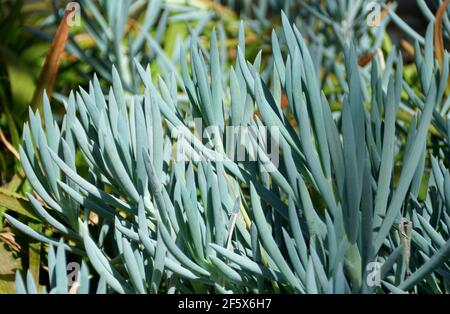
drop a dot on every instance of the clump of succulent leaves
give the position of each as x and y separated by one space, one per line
110 33
355 189
152 32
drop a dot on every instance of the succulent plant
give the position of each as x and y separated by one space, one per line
151 32
355 201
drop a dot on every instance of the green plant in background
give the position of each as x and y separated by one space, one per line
352 188
20 56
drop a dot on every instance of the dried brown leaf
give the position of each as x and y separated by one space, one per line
48 73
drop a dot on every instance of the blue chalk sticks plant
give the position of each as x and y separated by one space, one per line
358 200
